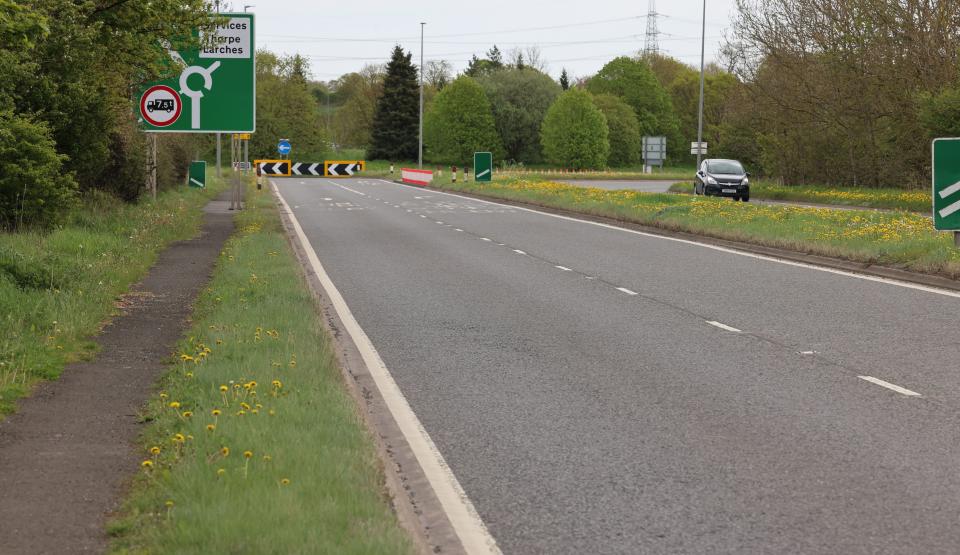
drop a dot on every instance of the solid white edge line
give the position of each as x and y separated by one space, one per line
518 251
876 279
463 515
890 386
724 326
564 268
627 291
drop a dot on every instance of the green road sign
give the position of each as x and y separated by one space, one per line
198 174
483 166
946 184
215 90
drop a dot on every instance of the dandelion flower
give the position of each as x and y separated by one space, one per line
272 412
154 450
179 438
285 481
189 374
215 412
147 464
267 458
245 406
253 384
224 389
187 414
169 503
163 396
247 454
277 384
221 471
225 451
255 411
174 405
211 427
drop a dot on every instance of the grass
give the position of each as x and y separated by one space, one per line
257 354
58 287
899 239
888 198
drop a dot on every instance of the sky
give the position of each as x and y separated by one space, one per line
580 36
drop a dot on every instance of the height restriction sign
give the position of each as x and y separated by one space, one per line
214 90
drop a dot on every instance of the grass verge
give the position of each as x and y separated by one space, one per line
381 168
899 239
888 198
254 445
58 287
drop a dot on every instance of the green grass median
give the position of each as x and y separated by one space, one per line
899 239
254 444
58 287
886 198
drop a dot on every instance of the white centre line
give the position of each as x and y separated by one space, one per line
485 239
627 291
890 386
724 326
518 251
564 268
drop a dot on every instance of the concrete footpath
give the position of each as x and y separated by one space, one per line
66 456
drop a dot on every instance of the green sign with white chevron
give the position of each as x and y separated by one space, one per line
946 184
483 166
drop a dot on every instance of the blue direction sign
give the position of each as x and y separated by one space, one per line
283 147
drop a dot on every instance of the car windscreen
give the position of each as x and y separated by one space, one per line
725 166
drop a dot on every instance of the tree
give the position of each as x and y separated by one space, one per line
460 123
438 74
940 113
635 83
623 128
286 109
493 62
356 96
520 99
574 132
34 190
564 80
396 120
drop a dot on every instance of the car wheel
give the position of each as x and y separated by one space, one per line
736 198
745 198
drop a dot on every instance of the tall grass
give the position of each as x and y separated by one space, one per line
58 287
257 377
890 198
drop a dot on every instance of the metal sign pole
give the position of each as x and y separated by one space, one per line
703 46
218 155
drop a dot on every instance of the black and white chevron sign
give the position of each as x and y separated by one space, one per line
342 169
275 168
308 168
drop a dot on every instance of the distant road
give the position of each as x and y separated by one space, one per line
645 186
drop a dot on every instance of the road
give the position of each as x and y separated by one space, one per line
596 390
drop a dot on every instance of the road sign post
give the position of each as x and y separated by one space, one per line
699 149
198 174
483 166
284 147
215 89
946 186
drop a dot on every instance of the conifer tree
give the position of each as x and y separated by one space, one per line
396 120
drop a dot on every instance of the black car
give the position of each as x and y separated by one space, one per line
725 178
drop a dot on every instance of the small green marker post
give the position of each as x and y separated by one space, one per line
197 176
482 166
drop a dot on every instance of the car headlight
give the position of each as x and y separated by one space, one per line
711 180
745 181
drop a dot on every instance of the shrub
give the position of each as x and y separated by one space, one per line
574 132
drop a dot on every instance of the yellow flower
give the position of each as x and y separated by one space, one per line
267 458
247 454
224 389
255 411
147 464
189 374
211 427
245 406
219 341
185 357
215 412
163 396
225 451
178 438
169 503
272 412
154 450
241 412
221 471
174 405
187 414
285 481
277 384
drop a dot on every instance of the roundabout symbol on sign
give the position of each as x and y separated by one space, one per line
160 106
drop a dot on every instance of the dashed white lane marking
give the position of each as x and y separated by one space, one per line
422 216
485 239
439 223
351 190
463 515
460 230
564 268
890 386
876 279
327 198
724 327
518 251
627 291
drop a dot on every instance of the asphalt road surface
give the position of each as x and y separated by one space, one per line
614 185
601 391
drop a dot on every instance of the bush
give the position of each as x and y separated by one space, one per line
520 99
460 123
574 133
33 188
623 128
